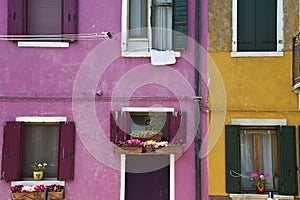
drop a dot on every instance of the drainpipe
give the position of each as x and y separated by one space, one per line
197 101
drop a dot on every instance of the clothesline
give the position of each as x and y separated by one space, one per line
79 36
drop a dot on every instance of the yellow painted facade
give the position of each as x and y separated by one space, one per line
255 87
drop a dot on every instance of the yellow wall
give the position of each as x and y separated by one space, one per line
255 88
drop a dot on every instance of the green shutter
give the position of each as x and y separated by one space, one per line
232 153
179 24
287 165
266 25
246 25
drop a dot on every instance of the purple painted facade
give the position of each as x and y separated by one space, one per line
46 81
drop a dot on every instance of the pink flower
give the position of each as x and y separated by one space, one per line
261 176
253 174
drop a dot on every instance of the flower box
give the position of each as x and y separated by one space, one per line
172 149
36 195
128 150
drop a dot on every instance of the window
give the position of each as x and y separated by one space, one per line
157 24
257 26
258 154
171 124
26 143
42 17
264 149
40 145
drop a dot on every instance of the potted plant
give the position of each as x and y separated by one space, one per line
38 170
260 181
152 131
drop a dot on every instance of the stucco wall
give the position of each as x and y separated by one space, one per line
220 24
255 87
41 82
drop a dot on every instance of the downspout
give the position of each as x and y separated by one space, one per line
197 101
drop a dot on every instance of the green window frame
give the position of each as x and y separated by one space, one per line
286 153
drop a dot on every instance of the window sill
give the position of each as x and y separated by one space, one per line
258 196
256 54
144 54
44 44
176 149
42 182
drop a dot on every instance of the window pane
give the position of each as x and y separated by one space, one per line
40 145
138 18
162 24
44 17
247 159
258 153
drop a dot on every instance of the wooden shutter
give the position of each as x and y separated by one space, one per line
177 127
266 25
119 126
232 153
12 151
246 25
66 151
287 165
16 17
70 18
180 24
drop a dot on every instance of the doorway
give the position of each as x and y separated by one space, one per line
147 177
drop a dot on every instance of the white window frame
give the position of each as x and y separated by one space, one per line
280 32
125 39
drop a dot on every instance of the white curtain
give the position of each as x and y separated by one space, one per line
138 18
162 25
247 156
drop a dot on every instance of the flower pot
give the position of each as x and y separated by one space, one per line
156 137
260 189
38 175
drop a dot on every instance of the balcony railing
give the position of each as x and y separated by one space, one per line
296 62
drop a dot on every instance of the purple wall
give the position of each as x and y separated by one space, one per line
42 82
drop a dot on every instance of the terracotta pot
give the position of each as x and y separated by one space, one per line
260 189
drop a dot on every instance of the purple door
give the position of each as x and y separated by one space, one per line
147 177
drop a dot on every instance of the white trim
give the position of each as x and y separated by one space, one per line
256 54
144 54
123 172
259 196
147 109
124 25
280 32
40 119
258 122
33 183
172 177
44 44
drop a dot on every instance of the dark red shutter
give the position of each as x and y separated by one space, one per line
177 127
16 17
66 151
119 123
12 151
70 18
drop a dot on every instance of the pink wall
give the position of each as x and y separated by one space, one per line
41 82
